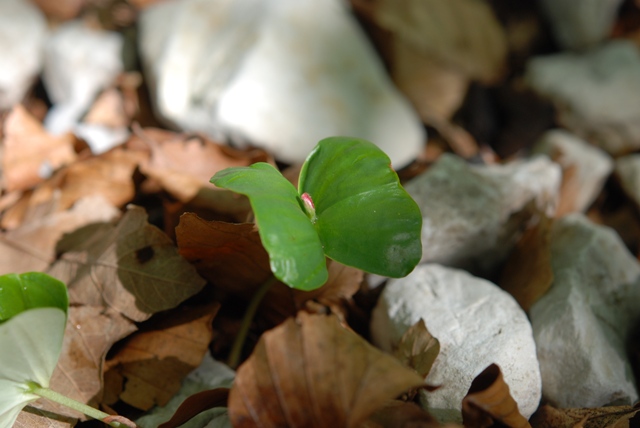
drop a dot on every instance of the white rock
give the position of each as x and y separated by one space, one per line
210 374
79 63
581 324
472 215
100 138
589 165
477 324
628 171
281 74
23 30
584 26
595 92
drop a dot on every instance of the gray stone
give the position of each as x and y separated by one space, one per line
595 92
477 324
580 325
628 172
281 74
584 26
473 215
588 167
23 30
79 63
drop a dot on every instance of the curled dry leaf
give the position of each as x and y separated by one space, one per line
184 164
527 273
31 247
311 371
31 154
604 417
154 360
489 401
132 267
196 404
418 349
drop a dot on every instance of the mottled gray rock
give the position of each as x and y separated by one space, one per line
595 92
472 215
581 324
628 172
477 324
281 74
23 30
79 63
210 374
584 26
588 167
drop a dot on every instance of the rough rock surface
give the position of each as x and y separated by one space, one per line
595 92
581 324
23 30
628 172
477 324
472 215
585 168
79 63
281 74
581 27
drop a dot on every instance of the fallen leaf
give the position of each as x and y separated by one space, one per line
527 273
30 154
196 404
31 247
489 400
418 349
311 371
62 9
108 110
154 360
604 417
184 164
35 415
132 267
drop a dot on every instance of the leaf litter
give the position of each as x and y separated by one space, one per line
142 317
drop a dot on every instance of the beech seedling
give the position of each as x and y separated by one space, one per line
349 206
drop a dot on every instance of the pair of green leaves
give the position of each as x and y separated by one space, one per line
33 314
349 206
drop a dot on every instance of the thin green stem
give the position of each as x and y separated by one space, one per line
238 343
47 393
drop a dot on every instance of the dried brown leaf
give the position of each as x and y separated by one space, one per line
604 417
108 110
31 247
489 401
30 153
132 267
527 273
196 404
155 360
418 349
310 372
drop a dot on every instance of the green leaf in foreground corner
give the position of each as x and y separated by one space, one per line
294 248
365 218
20 292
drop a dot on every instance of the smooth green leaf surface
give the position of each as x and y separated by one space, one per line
20 292
295 250
365 218
30 344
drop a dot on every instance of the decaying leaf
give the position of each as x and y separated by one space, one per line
30 154
31 247
311 371
603 417
132 267
527 273
196 404
153 361
418 349
36 415
489 401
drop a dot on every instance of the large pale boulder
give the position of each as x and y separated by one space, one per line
473 215
581 324
23 31
596 93
279 74
477 324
